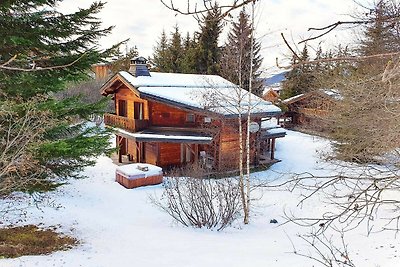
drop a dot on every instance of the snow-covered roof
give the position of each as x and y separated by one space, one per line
170 136
269 124
206 92
272 129
276 131
293 98
160 79
332 93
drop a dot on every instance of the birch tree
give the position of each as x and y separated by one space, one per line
237 102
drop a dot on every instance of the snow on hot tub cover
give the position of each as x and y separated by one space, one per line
131 171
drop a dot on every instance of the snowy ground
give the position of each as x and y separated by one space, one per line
120 227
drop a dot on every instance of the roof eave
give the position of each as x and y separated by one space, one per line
116 77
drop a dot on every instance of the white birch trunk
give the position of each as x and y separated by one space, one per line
247 206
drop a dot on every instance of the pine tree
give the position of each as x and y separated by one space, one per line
301 78
123 61
174 52
189 55
41 52
381 36
208 52
160 58
235 60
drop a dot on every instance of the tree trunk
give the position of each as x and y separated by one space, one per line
246 208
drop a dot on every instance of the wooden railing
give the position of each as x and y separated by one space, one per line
125 123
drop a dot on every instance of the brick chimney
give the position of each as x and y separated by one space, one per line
138 67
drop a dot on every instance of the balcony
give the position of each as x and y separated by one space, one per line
125 123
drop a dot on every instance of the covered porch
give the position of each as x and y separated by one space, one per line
163 147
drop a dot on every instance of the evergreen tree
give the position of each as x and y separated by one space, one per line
189 55
235 60
168 54
301 78
381 36
175 52
208 52
41 52
123 61
160 54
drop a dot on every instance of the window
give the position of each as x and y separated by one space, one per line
190 118
138 110
122 111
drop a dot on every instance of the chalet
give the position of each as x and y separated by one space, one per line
171 119
271 95
310 110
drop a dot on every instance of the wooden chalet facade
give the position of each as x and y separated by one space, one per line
271 95
311 110
161 119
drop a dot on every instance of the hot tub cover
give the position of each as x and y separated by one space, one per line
131 171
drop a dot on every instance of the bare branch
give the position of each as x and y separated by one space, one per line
192 8
336 59
290 48
5 67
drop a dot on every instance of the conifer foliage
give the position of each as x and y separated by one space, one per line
41 52
235 60
301 79
198 54
209 53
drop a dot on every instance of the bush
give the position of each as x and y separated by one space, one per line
193 199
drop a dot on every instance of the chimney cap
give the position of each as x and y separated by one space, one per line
138 60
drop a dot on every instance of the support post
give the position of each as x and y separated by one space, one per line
273 148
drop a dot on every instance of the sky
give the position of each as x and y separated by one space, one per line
143 21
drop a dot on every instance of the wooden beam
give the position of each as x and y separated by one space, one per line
118 144
258 148
273 148
196 153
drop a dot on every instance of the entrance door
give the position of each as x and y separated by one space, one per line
186 153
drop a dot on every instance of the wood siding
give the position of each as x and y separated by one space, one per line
130 97
170 154
167 116
229 145
222 154
151 152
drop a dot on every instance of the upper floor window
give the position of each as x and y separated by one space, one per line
138 111
122 110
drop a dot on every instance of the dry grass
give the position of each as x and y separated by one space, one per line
31 240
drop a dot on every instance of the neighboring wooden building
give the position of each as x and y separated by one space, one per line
101 71
310 110
271 95
170 119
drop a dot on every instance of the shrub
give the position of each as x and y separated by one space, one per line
193 199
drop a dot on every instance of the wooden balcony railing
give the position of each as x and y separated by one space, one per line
125 123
